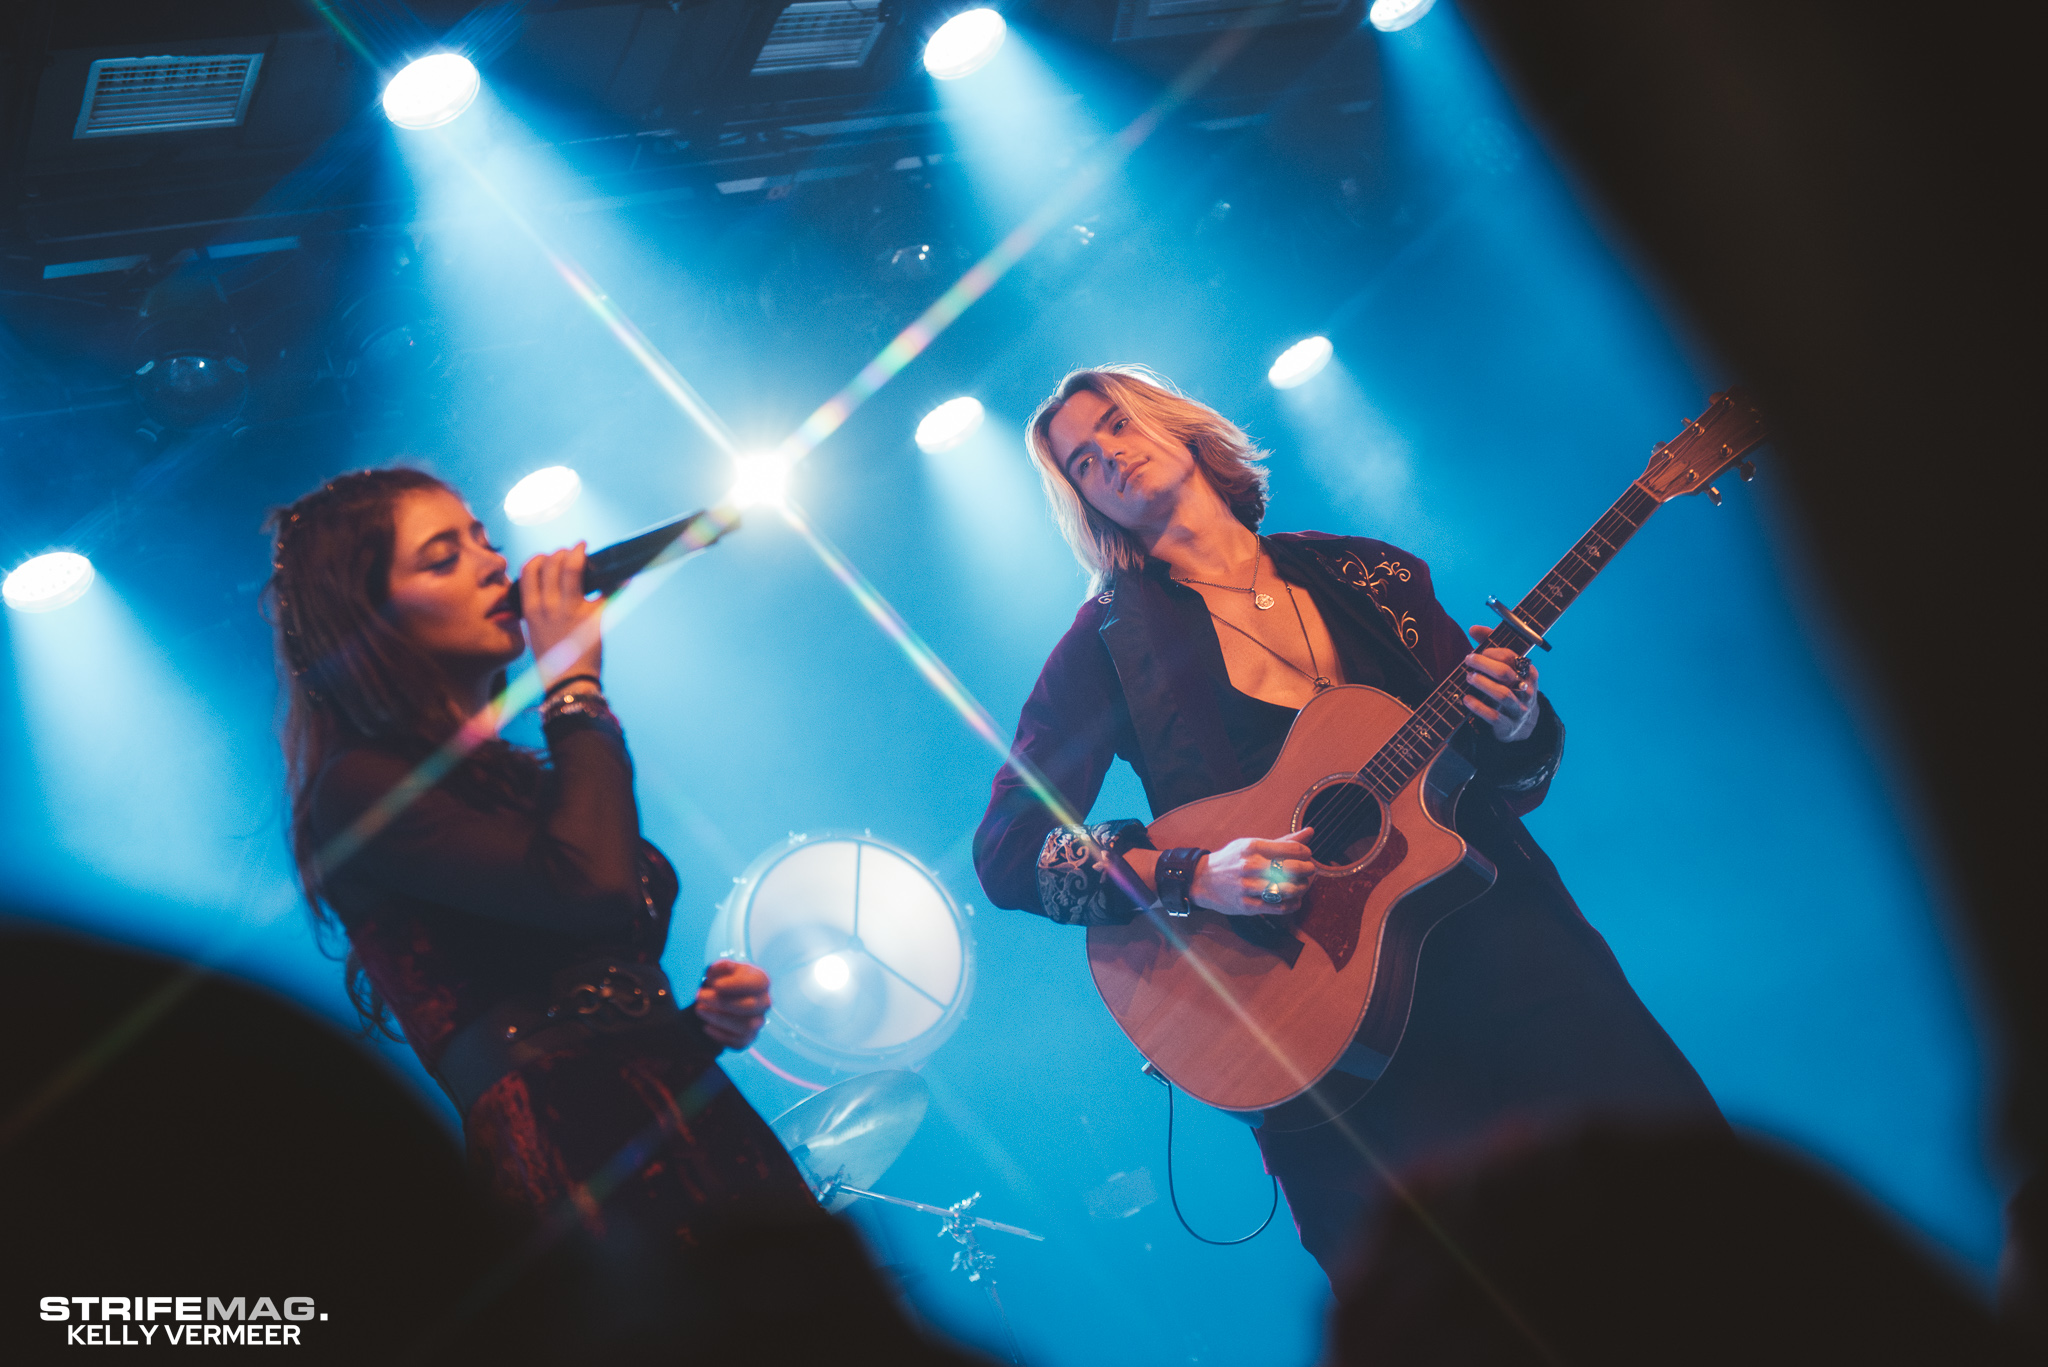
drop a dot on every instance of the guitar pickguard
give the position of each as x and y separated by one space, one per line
1336 902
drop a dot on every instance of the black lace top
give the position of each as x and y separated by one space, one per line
464 901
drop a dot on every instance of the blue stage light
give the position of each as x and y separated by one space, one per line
964 44
1300 363
1389 16
951 423
48 582
432 91
543 496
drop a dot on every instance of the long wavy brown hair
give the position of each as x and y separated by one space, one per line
350 678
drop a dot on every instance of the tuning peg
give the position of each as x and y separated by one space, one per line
1713 496
1746 470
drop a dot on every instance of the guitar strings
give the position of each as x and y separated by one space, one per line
1631 510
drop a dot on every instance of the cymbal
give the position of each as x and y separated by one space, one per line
851 1133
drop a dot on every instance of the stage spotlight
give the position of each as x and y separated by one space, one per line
185 362
762 477
1390 16
189 390
872 960
386 347
964 44
48 582
543 496
951 423
432 91
1300 363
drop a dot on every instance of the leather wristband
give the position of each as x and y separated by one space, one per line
1173 878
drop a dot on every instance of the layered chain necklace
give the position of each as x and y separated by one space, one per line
1262 601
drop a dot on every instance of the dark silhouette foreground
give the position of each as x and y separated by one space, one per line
164 1132
1639 1247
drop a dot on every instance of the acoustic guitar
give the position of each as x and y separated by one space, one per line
1246 1016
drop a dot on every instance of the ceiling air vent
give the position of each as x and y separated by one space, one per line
821 35
1141 19
166 94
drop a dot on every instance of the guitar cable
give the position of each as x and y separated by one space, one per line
1151 1070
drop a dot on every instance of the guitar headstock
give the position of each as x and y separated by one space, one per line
1710 443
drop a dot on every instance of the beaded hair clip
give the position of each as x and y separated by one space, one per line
287 618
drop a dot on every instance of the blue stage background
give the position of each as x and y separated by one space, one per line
1728 813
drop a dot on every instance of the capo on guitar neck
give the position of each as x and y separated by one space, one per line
1515 620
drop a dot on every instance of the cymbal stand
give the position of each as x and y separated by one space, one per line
959 1225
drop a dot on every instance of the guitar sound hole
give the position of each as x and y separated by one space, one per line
1346 817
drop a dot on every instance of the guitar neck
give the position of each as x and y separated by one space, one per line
1569 577
1443 712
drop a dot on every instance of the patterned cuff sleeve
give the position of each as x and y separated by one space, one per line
1074 890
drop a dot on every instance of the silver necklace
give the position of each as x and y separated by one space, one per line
1261 601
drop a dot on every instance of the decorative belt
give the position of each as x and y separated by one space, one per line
585 1002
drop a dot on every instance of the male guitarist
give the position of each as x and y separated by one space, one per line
1199 642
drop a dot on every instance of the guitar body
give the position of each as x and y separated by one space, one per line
1246 1016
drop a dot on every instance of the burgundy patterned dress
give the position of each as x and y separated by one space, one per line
469 903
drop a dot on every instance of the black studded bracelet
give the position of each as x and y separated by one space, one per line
1173 877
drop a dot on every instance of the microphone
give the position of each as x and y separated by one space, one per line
608 570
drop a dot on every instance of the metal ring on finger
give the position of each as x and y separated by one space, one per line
1276 879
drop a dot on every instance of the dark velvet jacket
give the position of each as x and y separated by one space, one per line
1522 1016
1135 678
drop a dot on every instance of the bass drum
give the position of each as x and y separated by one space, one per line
871 958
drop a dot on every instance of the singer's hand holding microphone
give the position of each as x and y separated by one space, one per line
563 628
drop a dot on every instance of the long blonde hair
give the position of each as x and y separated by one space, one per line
1227 458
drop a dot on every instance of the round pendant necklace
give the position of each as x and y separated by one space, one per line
1262 601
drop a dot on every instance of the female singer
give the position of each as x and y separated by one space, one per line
506 910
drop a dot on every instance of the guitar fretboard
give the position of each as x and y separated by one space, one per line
1433 724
